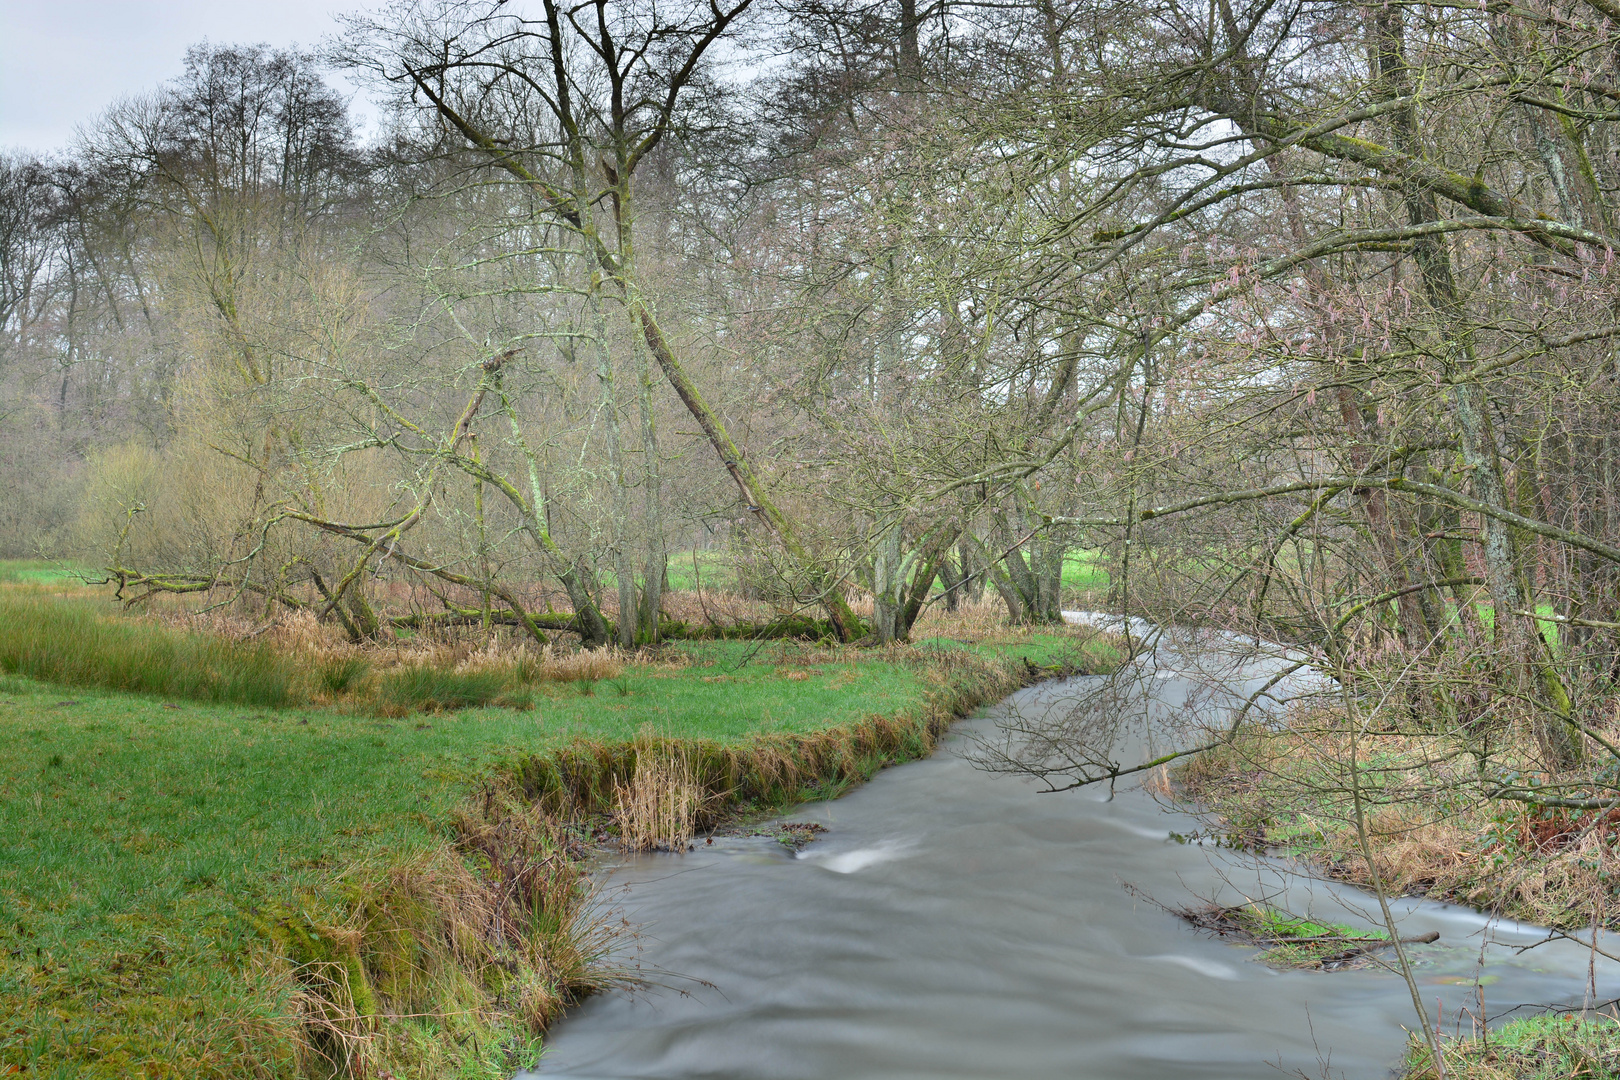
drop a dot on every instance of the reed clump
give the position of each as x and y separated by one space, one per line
658 808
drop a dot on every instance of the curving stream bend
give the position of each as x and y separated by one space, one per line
955 923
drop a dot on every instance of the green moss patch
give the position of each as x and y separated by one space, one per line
1289 942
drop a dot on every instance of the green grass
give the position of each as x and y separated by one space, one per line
150 835
1295 942
421 688
1548 626
139 834
137 837
37 572
712 569
1081 572
77 642
1288 941
1044 649
1548 1047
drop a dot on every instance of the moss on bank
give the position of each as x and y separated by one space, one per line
1287 941
214 889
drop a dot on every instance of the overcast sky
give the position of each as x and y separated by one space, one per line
63 61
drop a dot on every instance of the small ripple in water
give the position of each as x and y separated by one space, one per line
1214 969
849 862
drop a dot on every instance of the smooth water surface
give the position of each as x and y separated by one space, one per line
955 922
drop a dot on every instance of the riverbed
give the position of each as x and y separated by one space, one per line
957 922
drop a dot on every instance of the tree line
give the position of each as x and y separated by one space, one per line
1296 316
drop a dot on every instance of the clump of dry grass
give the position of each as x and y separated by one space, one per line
716 607
586 665
300 631
973 620
525 665
658 808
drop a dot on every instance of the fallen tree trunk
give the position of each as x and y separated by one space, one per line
797 629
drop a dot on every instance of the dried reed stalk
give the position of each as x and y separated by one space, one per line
658 808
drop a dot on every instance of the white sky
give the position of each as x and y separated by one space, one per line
63 61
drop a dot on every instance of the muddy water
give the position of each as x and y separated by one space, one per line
953 922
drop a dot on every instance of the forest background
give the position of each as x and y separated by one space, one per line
1296 318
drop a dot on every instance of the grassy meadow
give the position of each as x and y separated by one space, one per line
239 859
691 570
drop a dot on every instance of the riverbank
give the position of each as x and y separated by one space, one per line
1551 1047
1381 804
209 888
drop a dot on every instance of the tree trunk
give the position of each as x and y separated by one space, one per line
1560 740
652 593
829 592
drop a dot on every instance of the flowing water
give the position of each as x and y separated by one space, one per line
955 922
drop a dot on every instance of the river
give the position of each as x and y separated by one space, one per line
955 922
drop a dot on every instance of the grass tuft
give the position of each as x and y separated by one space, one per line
658 808
419 687
341 674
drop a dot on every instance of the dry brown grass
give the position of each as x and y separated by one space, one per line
585 665
712 607
658 808
972 621
1550 1046
1433 828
